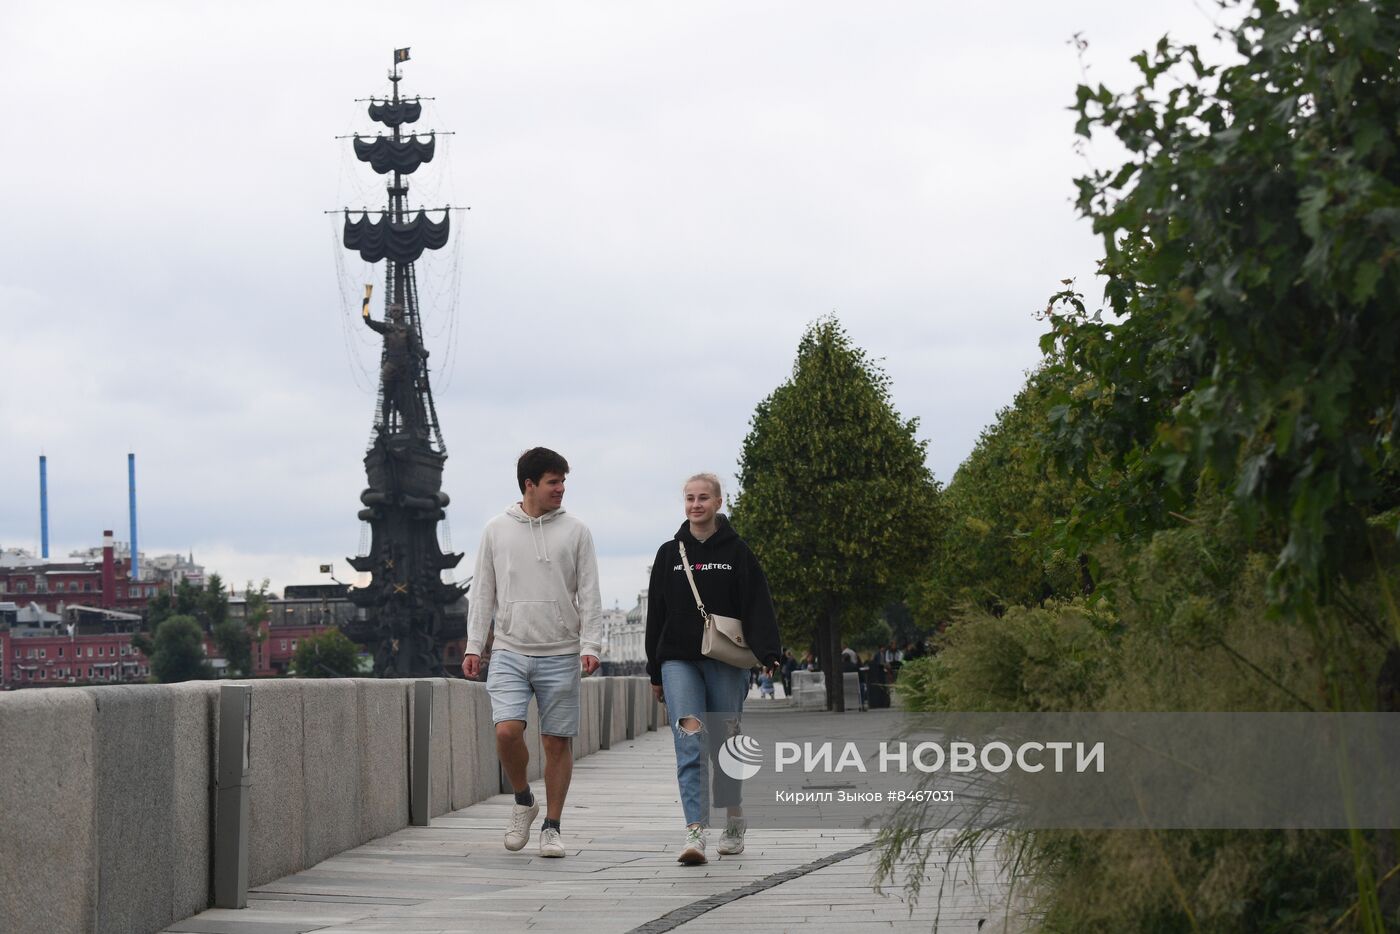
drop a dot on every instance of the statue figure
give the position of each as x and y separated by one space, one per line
403 353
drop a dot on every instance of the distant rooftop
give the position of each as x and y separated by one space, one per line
15 557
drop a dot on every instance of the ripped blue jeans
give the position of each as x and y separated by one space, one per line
703 689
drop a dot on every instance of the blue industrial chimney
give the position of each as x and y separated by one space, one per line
131 496
44 504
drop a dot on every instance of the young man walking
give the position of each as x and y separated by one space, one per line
537 578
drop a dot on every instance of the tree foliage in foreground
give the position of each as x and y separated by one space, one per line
835 498
1253 273
1229 422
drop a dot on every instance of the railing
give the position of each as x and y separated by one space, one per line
127 808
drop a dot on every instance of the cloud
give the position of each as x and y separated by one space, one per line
662 197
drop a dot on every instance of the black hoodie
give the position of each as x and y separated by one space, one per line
730 582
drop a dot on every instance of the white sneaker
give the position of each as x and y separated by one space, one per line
518 833
731 842
693 854
550 844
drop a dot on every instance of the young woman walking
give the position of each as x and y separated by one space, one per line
729 582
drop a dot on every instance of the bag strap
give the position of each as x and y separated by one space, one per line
685 563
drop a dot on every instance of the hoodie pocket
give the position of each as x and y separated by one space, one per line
536 622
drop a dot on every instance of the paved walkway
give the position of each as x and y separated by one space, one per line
622 827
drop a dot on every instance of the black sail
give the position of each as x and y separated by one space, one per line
401 243
395 113
384 155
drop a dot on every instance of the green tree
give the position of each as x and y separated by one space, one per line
256 613
1252 346
327 655
212 603
177 651
835 498
1251 271
997 541
235 639
875 633
235 646
1229 420
904 627
179 601
207 605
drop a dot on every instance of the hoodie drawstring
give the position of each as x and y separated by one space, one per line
543 545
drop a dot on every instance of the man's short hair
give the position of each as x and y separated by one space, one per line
537 462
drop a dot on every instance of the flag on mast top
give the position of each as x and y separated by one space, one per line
400 55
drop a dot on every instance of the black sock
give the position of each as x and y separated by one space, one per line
525 798
550 822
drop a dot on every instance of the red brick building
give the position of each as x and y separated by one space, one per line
54 585
51 660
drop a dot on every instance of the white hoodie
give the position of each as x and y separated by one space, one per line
538 578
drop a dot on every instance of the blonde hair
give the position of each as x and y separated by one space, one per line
709 478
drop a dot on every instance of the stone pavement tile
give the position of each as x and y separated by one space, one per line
482 916
616 922
321 913
804 925
407 872
324 885
197 925
399 928
259 900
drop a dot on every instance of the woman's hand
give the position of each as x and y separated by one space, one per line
657 693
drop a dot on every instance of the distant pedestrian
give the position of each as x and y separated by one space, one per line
765 684
705 557
537 577
894 658
850 662
878 677
788 667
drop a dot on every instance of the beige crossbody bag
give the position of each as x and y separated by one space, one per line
724 635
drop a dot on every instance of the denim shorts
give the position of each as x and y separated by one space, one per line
552 679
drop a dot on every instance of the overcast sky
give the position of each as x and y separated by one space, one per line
663 196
